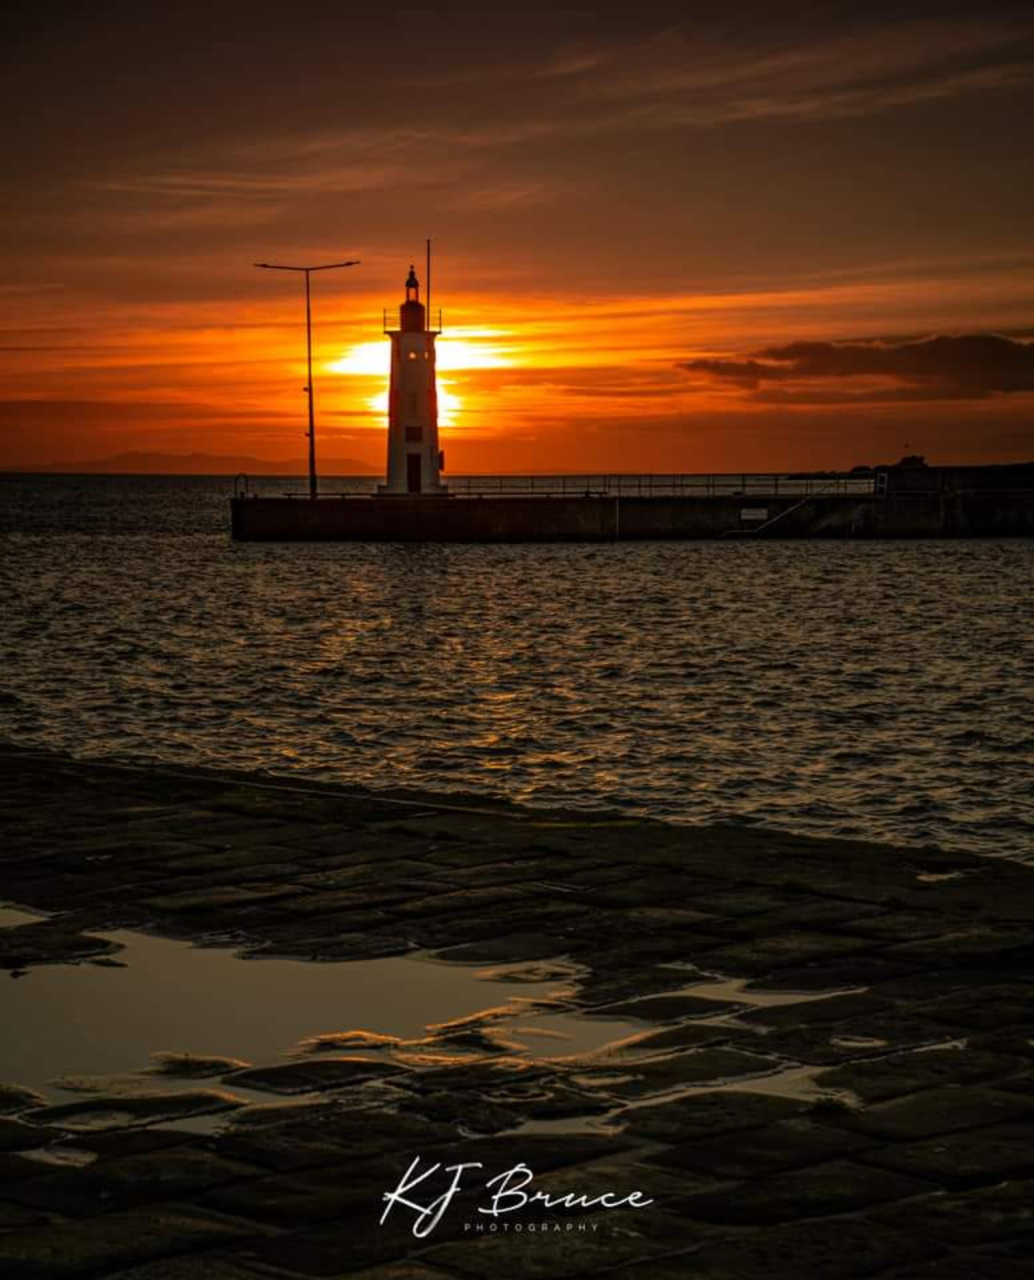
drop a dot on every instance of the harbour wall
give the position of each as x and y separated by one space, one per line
609 518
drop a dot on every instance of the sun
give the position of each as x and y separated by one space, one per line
448 404
469 349
367 358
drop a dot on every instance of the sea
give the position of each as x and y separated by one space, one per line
872 690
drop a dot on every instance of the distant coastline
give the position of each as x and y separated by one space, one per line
196 464
139 463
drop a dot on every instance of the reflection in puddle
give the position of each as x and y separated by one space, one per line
12 917
799 1084
565 1035
62 1157
564 1127
857 1042
138 1042
171 997
742 991
555 970
174 1013
936 877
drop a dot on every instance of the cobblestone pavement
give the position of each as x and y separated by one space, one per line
877 1119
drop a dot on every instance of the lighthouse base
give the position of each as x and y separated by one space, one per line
439 491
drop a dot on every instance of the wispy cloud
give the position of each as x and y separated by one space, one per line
506 195
686 77
703 74
691 77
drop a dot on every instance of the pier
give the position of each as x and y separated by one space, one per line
903 501
414 504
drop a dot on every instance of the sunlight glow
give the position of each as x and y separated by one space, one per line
371 360
470 352
449 404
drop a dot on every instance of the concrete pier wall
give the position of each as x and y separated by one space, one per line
987 514
607 518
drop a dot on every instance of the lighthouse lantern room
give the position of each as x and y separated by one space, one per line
414 459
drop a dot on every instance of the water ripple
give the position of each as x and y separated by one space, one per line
866 689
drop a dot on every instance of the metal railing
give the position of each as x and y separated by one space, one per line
355 487
433 321
730 485
745 485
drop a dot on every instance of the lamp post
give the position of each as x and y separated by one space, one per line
330 266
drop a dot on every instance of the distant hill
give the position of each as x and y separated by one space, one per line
200 464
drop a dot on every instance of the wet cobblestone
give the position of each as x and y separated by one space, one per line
883 1129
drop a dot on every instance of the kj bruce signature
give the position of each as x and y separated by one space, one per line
428 1194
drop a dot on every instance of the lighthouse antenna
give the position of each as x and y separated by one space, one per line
430 322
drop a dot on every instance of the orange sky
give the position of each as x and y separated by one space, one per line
635 226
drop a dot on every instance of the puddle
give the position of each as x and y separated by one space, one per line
552 970
799 1084
858 1042
60 1157
563 1127
90 1020
739 990
150 1024
12 917
565 1035
89 1026
206 1125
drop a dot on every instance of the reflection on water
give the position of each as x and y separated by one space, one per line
856 689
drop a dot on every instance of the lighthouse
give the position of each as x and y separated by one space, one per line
414 459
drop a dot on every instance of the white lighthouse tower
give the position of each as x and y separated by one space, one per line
414 459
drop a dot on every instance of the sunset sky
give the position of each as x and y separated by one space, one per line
686 238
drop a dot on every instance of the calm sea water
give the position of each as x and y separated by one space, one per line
854 689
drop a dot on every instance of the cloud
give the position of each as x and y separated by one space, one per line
898 395
744 373
705 71
942 367
690 77
702 75
505 195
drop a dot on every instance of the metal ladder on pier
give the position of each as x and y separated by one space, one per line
752 533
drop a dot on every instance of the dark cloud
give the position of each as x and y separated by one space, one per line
886 395
744 373
940 367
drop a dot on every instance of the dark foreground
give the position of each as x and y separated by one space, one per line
885 1128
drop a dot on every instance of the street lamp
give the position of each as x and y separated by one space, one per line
330 266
